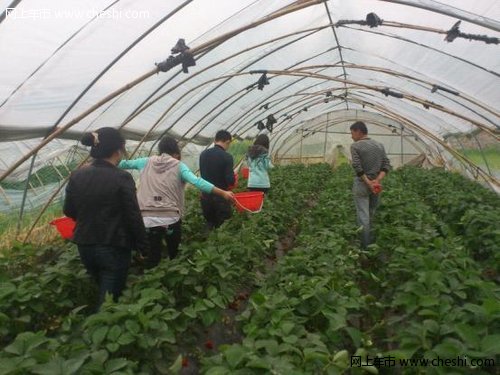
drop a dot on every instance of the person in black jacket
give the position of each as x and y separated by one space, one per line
101 198
216 166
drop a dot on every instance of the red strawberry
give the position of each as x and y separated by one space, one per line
185 362
209 344
377 188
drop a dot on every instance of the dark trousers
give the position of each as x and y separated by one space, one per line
264 190
215 209
108 266
172 236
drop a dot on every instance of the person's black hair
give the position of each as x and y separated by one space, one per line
359 125
104 142
223 136
262 140
169 145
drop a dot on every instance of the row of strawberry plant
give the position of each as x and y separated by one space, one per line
30 276
434 300
466 208
173 298
307 314
418 295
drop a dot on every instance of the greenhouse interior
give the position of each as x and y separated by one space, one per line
337 270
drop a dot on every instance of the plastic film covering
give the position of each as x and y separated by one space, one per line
425 78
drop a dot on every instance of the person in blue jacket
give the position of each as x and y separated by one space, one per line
259 163
161 196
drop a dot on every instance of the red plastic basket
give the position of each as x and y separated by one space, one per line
245 172
65 226
249 201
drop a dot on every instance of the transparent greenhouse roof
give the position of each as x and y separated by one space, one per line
65 66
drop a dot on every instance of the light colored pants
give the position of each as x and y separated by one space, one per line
366 202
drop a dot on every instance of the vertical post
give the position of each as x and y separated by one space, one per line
25 193
402 159
301 139
326 136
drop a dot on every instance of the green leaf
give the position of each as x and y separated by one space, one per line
258 363
355 335
286 327
468 335
71 366
190 312
132 326
234 355
341 356
257 299
427 312
271 346
447 350
114 333
211 291
291 339
26 342
54 367
177 365
208 303
100 356
115 365
112 347
98 335
208 317
6 289
126 338
427 301
218 370
491 345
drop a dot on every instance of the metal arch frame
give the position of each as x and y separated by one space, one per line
423 45
411 98
439 92
278 101
397 74
297 6
211 91
420 82
241 118
487 23
300 104
243 91
328 78
407 96
431 84
397 37
143 106
421 130
340 50
118 57
286 132
86 89
319 126
411 79
362 96
290 129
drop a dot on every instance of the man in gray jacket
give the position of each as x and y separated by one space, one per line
371 164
